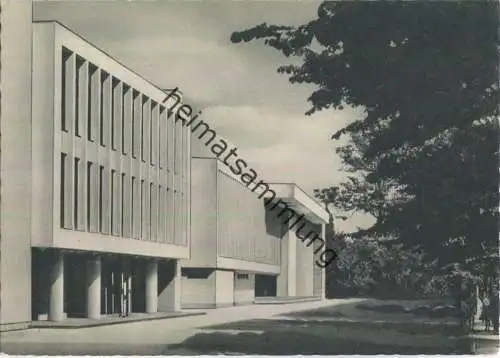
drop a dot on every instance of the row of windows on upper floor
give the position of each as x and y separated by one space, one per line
96 199
101 107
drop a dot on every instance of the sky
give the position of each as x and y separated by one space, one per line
186 44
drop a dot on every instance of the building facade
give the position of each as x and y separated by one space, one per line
102 200
108 191
240 248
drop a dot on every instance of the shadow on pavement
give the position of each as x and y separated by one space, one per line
370 327
293 342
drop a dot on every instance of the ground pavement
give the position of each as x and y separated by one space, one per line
147 337
339 326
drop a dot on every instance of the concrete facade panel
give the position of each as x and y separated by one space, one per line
15 166
203 214
304 268
224 288
198 291
245 231
244 288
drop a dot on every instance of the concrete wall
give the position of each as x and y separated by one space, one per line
224 288
287 279
15 173
245 231
203 214
244 289
304 267
198 291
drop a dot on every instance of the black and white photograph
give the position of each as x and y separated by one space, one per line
249 177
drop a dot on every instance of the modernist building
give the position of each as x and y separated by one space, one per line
105 210
239 248
95 194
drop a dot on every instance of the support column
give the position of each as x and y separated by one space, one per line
56 300
287 279
152 286
94 287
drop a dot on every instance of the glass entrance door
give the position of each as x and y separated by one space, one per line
116 287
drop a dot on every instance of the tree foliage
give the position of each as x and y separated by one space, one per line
423 157
372 267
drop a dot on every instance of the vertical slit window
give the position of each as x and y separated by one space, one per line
81 96
153 143
162 138
62 194
150 210
123 208
133 205
117 118
160 220
94 104
89 194
142 204
113 201
75 191
106 108
79 62
67 89
137 125
146 130
113 114
126 118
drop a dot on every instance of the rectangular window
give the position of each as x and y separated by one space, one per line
117 118
89 195
78 119
62 194
113 201
136 125
152 212
75 191
126 118
162 138
155 131
101 198
94 103
146 130
67 89
161 228
112 123
143 211
133 208
170 142
177 147
106 109
123 208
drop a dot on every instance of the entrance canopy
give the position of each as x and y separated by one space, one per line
300 202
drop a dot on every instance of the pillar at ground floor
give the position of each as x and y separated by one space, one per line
90 285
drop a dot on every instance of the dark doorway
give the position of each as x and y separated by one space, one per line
41 263
138 273
75 285
265 286
116 286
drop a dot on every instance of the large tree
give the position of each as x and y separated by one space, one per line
426 148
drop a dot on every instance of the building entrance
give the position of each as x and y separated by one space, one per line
265 286
116 284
